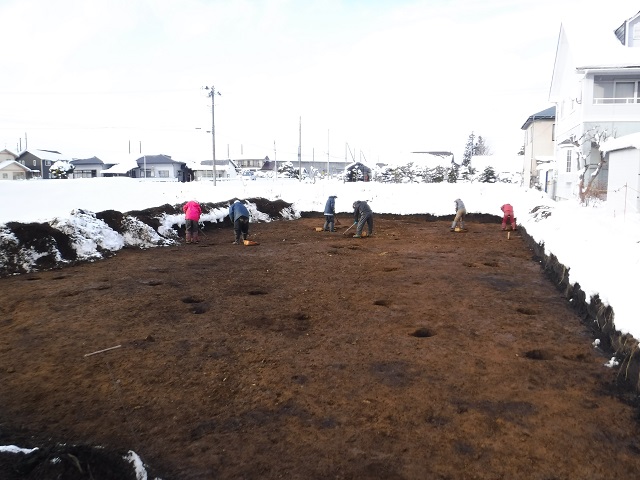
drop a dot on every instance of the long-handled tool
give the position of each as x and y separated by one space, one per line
345 232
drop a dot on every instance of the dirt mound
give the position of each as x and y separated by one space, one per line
43 246
69 462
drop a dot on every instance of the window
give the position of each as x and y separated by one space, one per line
34 163
608 90
568 160
163 173
5 176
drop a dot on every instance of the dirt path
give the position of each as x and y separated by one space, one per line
415 354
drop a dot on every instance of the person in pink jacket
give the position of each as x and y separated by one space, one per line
192 212
507 211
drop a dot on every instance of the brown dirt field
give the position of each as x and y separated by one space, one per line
415 354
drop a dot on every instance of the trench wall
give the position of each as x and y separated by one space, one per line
594 314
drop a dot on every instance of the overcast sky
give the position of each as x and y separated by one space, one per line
105 77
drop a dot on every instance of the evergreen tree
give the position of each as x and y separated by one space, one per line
468 151
452 174
488 175
287 171
480 148
61 169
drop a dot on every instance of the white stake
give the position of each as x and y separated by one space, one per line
101 351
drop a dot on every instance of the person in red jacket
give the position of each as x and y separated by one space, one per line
507 210
192 212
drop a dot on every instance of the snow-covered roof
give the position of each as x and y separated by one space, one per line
598 47
51 155
420 159
122 167
627 141
4 164
500 164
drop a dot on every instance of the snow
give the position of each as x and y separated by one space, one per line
600 247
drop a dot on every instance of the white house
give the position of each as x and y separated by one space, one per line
13 170
596 89
537 165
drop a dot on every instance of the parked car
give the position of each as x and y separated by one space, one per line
248 174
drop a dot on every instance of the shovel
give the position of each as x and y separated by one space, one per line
345 232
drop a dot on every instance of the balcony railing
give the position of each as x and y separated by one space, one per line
609 101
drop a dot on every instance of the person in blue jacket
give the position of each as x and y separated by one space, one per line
239 215
329 214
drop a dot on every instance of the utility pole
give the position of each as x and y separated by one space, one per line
300 150
328 167
275 162
212 94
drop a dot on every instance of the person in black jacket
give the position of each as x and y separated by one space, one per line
362 214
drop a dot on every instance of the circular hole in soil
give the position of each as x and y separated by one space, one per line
526 311
257 292
198 309
192 300
153 283
302 316
491 264
382 303
538 355
423 332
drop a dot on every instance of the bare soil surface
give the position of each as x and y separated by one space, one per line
414 354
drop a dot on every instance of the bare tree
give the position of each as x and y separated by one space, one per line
594 137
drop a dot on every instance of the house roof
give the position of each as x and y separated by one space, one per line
621 143
121 168
156 159
547 114
598 47
9 152
499 163
588 47
621 31
52 155
87 161
6 163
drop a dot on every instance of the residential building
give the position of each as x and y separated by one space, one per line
7 155
88 167
225 170
13 170
596 89
153 167
40 161
538 159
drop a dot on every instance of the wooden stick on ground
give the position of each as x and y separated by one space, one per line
101 351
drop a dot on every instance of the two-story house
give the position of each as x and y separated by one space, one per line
40 161
10 169
596 89
538 160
